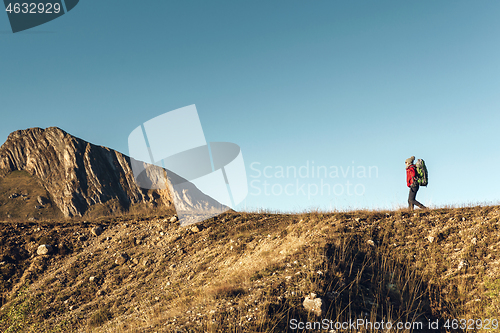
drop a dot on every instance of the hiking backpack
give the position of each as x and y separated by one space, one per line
422 174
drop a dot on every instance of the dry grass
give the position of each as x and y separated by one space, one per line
250 272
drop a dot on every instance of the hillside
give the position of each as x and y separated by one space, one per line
250 272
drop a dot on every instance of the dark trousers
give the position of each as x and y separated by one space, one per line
411 198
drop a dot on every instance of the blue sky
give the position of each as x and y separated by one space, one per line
338 83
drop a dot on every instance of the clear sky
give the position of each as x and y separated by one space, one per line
334 84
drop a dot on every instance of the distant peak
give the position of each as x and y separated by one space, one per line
35 132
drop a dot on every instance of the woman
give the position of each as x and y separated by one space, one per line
412 183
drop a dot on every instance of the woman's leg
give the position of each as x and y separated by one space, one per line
412 198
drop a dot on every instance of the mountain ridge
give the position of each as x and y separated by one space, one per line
79 175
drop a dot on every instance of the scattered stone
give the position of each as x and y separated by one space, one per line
135 261
138 242
38 207
370 242
313 304
122 258
146 262
474 241
44 249
463 264
31 219
100 293
96 231
431 239
174 219
14 195
42 200
92 278
195 229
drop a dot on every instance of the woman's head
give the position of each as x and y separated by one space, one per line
409 161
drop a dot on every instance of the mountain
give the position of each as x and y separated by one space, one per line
79 177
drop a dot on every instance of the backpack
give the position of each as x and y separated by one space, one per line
422 174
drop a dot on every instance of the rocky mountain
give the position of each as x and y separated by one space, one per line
78 175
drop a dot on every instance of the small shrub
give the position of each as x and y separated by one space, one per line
226 290
100 317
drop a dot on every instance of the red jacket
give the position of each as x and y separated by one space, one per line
411 172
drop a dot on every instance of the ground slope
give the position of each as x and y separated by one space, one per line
242 272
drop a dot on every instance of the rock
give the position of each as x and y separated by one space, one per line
42 200
474 241
146 262
38 207
135 261
96 231
370 242
195 229
44 249
313 304
31 219
463 264
121 258
92 278
431 239
14 195
174 219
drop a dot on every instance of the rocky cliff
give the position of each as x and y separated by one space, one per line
77 174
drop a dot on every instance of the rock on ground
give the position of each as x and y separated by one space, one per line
313 304
44 249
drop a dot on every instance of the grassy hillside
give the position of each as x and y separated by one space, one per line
18 197
250 272
19 192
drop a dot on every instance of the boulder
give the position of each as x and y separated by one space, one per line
96 231
196 229
42 200
44 249
121 258
313 304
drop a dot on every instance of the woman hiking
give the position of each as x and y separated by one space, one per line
412 183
